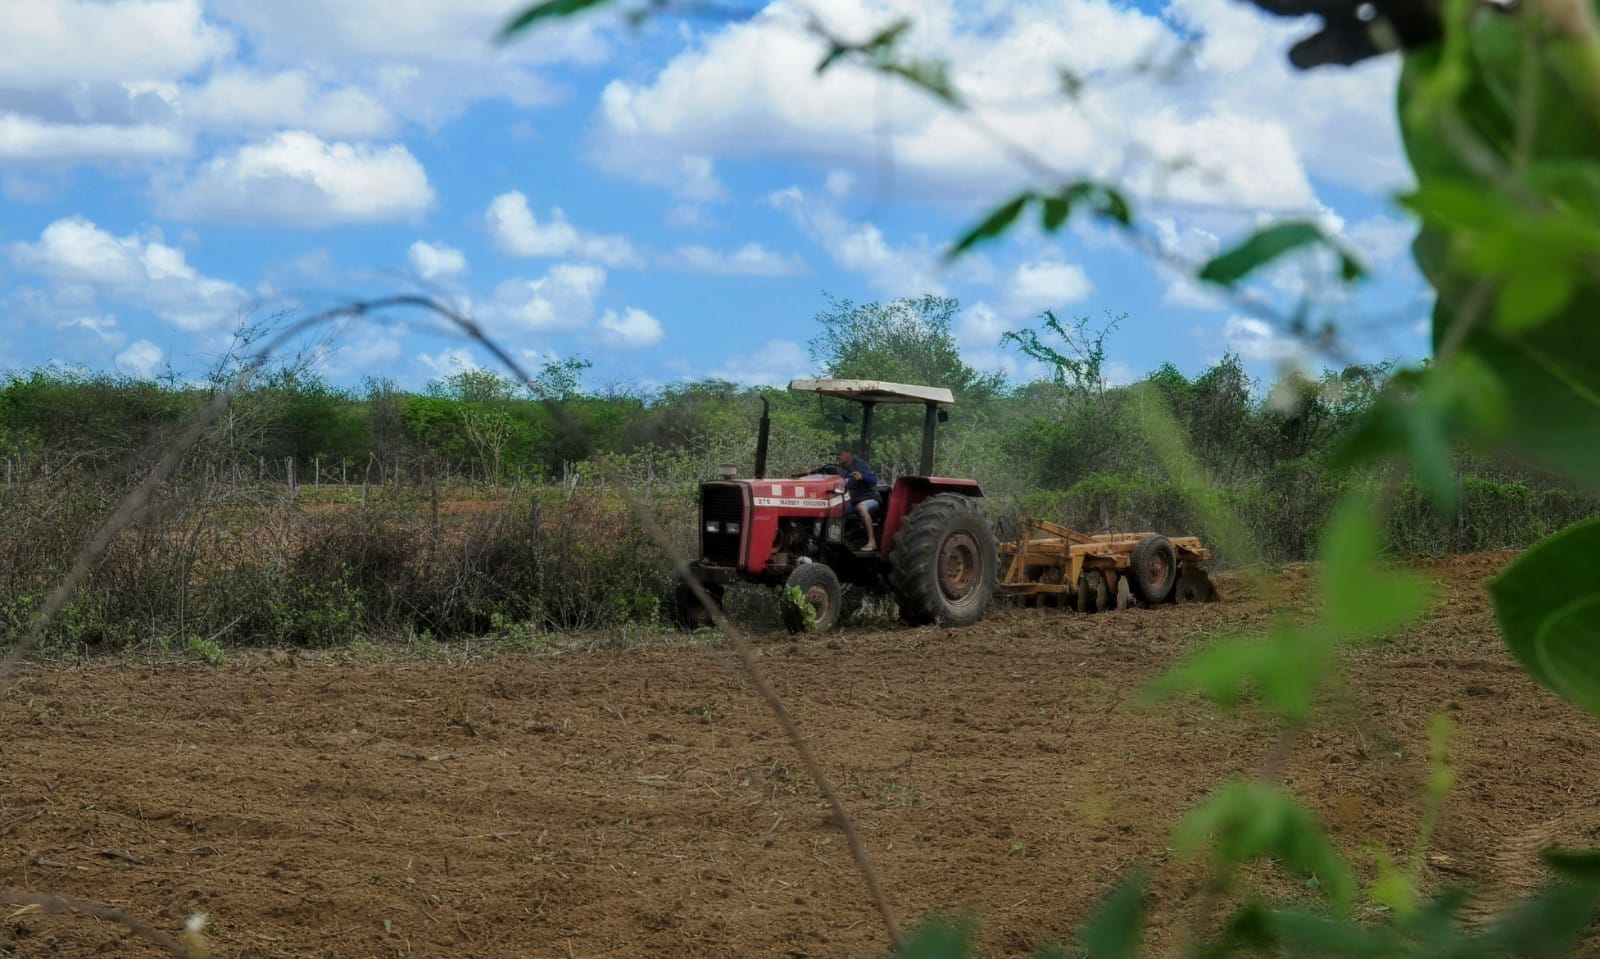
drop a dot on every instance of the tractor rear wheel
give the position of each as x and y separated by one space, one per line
1153 567
687 613
943 562
819 589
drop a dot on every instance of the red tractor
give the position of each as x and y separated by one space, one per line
935 551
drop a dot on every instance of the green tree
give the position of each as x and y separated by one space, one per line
903 341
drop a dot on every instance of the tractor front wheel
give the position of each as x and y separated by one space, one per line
942 564
687 612
819 590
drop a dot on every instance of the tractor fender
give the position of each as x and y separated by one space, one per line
908 491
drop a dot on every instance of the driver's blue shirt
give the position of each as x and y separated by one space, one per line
860 490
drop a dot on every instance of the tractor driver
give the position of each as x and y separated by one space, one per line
862 485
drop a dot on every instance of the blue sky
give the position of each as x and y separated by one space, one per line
668 202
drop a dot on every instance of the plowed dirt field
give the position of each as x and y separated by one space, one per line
643 802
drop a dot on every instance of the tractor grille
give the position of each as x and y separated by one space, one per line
721 503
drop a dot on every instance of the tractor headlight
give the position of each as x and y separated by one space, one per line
712 526
732 529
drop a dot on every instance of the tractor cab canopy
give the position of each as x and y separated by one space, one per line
869 393
875 391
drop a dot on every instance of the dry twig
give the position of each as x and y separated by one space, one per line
50 905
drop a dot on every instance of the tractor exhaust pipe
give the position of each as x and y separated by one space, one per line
761 441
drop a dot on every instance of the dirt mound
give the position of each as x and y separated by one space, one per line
642 803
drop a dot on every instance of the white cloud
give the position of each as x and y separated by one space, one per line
433 262
1187 243
424 61
978 334
27 138
46 44
697 181
1238 126
981 327
100 80
1255 339
632 329
840 184
297 179
105 327
372 353
1383 241
564 299
515 230
142 359
1047 284
1228 160
449 362
752 259
73 252
862 248
383 32
774 364
241 99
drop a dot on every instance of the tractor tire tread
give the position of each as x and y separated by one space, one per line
913 562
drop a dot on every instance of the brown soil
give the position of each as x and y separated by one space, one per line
643 802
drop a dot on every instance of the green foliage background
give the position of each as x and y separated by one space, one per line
315 515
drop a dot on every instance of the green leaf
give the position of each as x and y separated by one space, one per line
1118 209
1360 598
1581 865
1456 204
939 938
835 51
1264 246
1391 885
1286 667
1247 820
889 36
1528 296
994 224
1548 607
1550 924
549 10
932 76
1350 268
1115 929
1105 201
1055 212
1423 415
1301 933
1575 182
1551 378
